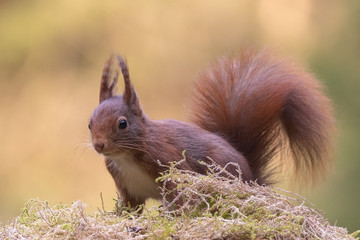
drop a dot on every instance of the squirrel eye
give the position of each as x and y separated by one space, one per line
122 124
89 126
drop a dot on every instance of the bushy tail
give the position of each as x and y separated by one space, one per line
266 106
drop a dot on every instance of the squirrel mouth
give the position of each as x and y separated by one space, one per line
108 151
105 153
100 148
109 154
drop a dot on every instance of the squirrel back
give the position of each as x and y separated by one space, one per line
268 109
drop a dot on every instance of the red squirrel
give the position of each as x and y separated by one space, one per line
248 109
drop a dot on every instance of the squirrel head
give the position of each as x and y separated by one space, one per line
118 123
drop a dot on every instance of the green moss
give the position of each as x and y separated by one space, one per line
213 207
356 234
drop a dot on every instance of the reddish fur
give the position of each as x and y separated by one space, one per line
108 88
263 104
247 109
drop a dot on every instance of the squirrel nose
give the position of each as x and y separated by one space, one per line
99 146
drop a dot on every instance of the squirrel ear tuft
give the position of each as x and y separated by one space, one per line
129 95
108 81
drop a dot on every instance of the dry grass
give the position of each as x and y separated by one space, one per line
214 207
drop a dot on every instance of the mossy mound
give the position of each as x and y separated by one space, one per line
213 207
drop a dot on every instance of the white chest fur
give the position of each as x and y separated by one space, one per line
138 183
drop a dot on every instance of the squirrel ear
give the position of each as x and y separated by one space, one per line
108 85
129 95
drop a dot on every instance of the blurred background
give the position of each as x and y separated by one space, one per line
52 54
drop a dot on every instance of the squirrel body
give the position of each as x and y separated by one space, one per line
247 110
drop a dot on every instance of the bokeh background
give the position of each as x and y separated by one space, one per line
51 58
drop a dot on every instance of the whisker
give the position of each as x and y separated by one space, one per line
138 140
132 146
